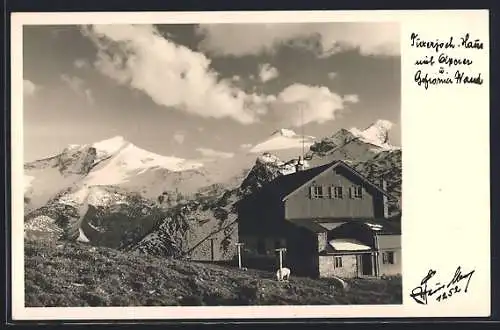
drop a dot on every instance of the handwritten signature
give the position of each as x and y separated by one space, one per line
440 291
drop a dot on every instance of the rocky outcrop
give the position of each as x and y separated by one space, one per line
78 161
327 144
387 166
206 228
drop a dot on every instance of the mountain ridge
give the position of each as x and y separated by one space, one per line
138 204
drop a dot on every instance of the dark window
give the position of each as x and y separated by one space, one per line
261 246
338 193
317 192
357 192
388 257
338 262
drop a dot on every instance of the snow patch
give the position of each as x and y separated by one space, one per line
282 142
267 158
288 169
82 238
373 226
284 132
75 198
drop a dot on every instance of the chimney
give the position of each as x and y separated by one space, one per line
300 165
385 200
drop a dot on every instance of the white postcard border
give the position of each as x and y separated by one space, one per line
445 138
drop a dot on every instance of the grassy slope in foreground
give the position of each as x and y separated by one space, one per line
72 275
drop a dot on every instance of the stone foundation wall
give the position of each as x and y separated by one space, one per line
327 267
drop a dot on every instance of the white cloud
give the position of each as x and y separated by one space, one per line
332 75
300 104
80 63
29 88
179 137
207 152
351 98
246 146
180 79
173 76
379 38
267 72
77 85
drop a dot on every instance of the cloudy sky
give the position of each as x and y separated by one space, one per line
197 91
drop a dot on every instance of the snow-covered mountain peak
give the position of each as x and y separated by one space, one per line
109 146
283 139
137 158
111 162
284 132
376 134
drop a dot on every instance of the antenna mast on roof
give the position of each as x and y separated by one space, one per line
302 122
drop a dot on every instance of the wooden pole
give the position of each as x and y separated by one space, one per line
281 259
212 252
238 245
281 250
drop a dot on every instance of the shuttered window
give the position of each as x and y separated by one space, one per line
317 192
356 192
336 192
338 262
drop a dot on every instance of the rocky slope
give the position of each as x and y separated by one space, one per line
108 193
188 226
385 165
72 275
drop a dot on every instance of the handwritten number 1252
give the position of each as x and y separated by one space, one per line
446 295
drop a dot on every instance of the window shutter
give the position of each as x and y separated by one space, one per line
311 192
332 192
351 192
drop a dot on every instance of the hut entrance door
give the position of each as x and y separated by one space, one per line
366 265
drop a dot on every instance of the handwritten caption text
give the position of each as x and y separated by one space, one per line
442 66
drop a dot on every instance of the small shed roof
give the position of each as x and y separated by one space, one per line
383 226
348 244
